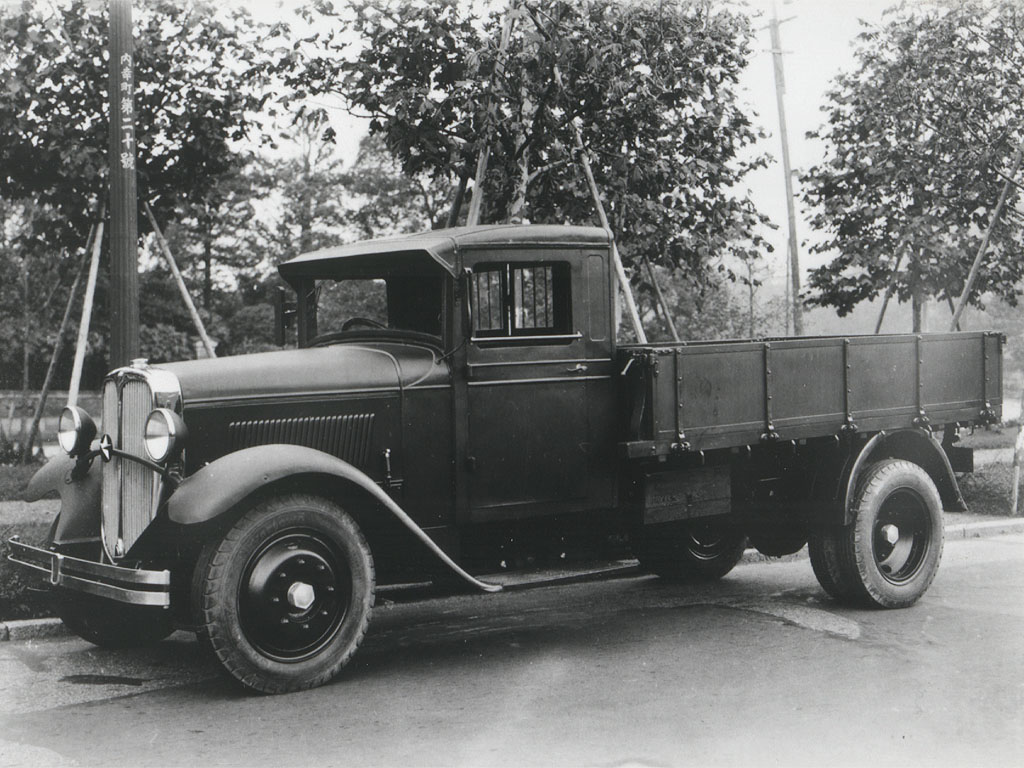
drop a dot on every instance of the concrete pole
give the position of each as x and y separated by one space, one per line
794 258
124 257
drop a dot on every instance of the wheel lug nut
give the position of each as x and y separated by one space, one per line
321 567
323 613
282 575
305 626
301 561
275 599
284 621
329 588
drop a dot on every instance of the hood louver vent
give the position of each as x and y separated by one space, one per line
347 437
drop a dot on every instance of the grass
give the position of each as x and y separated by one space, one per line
14 479
987 490
21 596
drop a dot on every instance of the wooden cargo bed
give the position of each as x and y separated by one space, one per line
708 395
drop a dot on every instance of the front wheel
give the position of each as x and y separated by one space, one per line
694 550
284 599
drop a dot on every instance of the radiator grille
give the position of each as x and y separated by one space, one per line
130 490
347 437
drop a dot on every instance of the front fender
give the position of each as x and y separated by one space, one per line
80 498
222 484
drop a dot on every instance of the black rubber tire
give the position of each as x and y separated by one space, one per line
694 550
109 624
106 623
242 593
890 554
778 538
823 547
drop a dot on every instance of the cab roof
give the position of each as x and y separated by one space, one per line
440 245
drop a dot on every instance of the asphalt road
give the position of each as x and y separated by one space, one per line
760 669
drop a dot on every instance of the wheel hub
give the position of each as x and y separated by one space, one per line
891 533
902 535
294 595
301 595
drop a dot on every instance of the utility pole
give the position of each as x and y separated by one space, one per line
124 257
780 89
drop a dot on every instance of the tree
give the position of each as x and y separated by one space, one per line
198 90
384 200
918 139
305 188
650 84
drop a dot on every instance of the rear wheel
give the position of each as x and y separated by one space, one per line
694 550
889 555
823 548
284 599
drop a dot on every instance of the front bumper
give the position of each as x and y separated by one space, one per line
125 585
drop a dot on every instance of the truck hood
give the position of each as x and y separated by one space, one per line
317 370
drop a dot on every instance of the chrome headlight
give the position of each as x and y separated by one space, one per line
165 434
75 430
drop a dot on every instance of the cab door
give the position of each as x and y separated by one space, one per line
528 434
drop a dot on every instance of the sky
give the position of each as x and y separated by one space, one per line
818 43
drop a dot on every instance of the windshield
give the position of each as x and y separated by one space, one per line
398 302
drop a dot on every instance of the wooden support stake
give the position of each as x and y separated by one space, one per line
86 319
620 271
1018 457
166 251
976 266
58 347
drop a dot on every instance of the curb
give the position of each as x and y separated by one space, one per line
31 629
38 629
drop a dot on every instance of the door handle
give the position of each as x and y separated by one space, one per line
578 368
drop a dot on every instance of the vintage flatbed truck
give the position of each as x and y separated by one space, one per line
458 397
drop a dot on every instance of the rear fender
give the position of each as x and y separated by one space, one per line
80 498
914 445
223 484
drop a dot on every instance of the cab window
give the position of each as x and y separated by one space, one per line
519 300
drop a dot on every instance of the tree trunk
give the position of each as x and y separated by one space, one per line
919 304
207 264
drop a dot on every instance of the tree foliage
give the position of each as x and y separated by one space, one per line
198 91
652 86
384 200
197 88
918 140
